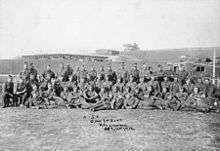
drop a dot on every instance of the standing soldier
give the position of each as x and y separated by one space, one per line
160 71
92 74
135 73
124 73
61 71
25 74
83 73
7 91
102 72
111 75
169 72
33 71
144 72
183 74
175 85
66 73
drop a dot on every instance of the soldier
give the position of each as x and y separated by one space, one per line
66 95
119 85
169 72
188 86
149 74
111 75
7 92
33 80
33 71
51 99
166 83
173 102
135 73
83 73
35 100
199 84
155 84
92 74
142 85
175 85
104 103
25 74
132 98
21 92
61 70
209 88
48 73
160 71
147 101
193 99
89 97
183 74
132 84
124 73
108 83
161 99
102 72
66 73
118 99
181 95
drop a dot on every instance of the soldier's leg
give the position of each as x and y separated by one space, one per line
5 98
25 98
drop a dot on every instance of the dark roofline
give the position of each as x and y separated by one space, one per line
71 55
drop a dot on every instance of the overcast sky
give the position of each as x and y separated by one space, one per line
77 26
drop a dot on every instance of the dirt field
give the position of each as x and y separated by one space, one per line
63 129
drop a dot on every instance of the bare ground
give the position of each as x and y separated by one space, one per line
64 129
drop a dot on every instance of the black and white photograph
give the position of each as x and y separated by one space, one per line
109 75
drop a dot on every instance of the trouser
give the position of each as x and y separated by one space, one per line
174 105
147 103
22 98
6 100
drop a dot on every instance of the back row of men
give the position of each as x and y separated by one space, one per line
108 89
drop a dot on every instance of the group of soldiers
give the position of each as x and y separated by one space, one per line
106 89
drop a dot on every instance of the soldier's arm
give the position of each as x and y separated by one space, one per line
4 89
23 91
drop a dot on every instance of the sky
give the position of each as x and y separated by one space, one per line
81 26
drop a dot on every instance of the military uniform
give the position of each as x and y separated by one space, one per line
50 73
7 94
21 93
25 74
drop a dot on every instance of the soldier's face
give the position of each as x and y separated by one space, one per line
31 77
25 66
206 81
196 90
149 89
65 89
34 87
199 80
164 90
165 78
188 81
49 86
9 79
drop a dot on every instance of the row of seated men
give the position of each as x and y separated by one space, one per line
109 90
